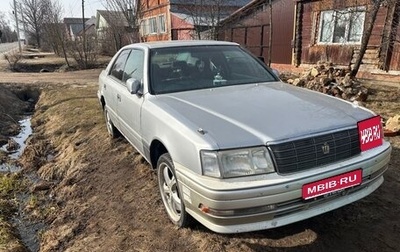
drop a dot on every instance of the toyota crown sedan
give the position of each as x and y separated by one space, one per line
233 146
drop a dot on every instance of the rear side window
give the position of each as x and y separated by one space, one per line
117 69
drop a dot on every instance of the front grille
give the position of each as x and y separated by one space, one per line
312 152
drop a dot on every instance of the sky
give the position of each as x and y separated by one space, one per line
72 8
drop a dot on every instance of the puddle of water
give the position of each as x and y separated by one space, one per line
28 230
9 168
26 131
29 234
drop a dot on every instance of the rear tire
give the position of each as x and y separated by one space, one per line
112 131
170 192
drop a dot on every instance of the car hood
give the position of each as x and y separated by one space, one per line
250 115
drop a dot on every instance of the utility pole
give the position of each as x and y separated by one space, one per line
83 33
23 24
16 23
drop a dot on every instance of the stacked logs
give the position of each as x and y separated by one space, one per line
392 127
332 81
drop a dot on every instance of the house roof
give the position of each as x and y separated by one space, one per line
245 10
200 16
117 18
73 20
198 20
74 25
213 2
91 21
89 25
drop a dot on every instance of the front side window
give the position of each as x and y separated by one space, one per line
342 26
134 66
117 69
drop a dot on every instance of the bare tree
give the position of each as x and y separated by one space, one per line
271 31
7 35
375 5
395 22
34 16
122 18
204 16
85 57
126 8
84 48
391 34
53 29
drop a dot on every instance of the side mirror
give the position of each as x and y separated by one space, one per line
276 72
134 86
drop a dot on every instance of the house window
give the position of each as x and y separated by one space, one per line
144 27
344 26
161 23
152 25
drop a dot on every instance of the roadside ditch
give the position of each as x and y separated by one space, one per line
19 232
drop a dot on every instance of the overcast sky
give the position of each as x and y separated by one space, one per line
72 8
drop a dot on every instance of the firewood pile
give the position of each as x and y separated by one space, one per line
329 80
392 126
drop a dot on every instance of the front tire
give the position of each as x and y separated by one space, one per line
170 192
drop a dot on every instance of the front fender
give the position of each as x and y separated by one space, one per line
179 136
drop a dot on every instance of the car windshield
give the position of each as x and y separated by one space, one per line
179 69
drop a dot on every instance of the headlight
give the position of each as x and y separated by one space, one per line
236 163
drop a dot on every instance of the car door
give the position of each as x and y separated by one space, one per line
111 83
129 105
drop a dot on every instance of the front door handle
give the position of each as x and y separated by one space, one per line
118 97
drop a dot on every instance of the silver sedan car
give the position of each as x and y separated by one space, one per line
234 147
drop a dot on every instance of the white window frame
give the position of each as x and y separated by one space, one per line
153 27
355 14
161 24
144 27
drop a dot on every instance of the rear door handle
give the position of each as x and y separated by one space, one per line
118 97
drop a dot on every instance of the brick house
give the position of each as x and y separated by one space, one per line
250 27
331 31
182 20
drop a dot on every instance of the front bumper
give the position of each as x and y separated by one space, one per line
263 202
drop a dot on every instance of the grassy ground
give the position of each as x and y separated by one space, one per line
104 197
9 185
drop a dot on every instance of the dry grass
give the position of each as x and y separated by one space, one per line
69 114
107 197
384 100
9 184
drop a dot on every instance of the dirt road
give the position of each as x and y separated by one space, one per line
102 196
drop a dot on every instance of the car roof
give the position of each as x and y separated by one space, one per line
177 43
